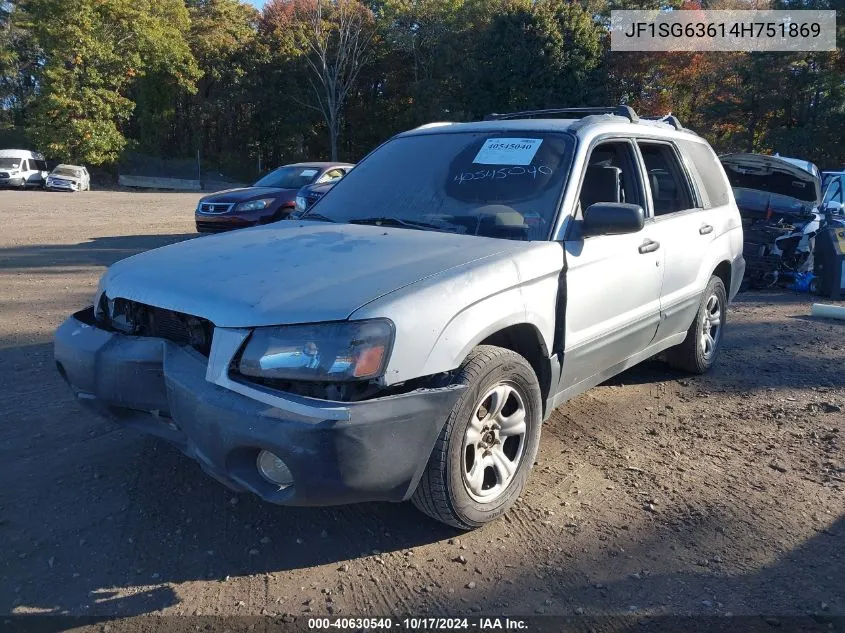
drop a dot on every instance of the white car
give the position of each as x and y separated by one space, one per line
69 178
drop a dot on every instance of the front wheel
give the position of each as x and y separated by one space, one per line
487 447
699 350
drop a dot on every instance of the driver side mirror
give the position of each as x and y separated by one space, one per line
612 218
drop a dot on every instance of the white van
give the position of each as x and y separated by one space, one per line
21 168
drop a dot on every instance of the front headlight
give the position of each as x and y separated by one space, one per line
343 351
301 203
254 205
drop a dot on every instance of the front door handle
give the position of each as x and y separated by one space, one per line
649 246
705 229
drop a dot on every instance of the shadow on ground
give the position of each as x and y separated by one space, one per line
98 251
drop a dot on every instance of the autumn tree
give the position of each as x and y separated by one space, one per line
333 39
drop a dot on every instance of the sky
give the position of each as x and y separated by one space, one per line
256 3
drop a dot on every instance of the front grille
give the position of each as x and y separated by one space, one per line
213 227
139 319
4 174
216 207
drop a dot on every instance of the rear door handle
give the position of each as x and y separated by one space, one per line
705 229
649 246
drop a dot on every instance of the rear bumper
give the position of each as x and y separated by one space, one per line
337 452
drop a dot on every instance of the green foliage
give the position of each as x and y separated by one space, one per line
18 55
93 51
242 87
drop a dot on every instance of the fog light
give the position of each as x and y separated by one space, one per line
274 469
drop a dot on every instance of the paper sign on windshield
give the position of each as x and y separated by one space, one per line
307 173
508 151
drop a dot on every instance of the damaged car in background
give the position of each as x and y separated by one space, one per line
780 201
408 336
69 178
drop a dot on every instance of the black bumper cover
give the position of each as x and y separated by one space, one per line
377 453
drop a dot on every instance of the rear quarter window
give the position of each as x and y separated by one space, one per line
706 169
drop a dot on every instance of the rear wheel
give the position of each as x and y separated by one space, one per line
487 447
700 348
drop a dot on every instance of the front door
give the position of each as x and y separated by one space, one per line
612 281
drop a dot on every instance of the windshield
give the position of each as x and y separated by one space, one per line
10 163
289 177
67 171
494 184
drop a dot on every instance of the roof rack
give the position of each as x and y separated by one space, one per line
575 113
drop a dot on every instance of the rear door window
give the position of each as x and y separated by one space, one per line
666 177
707 171
332 175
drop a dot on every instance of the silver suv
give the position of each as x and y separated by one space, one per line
407 337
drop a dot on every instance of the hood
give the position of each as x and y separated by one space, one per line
773 175
291 272
63 177
244 194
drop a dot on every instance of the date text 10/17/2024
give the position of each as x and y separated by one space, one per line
420 624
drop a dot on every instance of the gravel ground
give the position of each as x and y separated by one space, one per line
655 493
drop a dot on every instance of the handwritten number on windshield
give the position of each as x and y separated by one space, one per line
503 173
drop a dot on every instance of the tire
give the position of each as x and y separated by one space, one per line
500 388
698 352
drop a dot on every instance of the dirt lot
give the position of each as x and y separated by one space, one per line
653 494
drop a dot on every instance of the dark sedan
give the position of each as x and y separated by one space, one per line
270 199
309 194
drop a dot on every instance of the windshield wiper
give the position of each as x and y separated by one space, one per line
388 221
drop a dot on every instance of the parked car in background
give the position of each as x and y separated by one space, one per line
22 168
407 337
69 178
270 199
309 194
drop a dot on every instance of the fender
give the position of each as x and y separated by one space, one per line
440 319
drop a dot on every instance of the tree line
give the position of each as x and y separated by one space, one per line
86 80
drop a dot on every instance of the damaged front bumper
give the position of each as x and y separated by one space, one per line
337 452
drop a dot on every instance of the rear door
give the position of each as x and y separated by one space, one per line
685 225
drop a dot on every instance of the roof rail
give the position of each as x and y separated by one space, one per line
671 119
575 113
